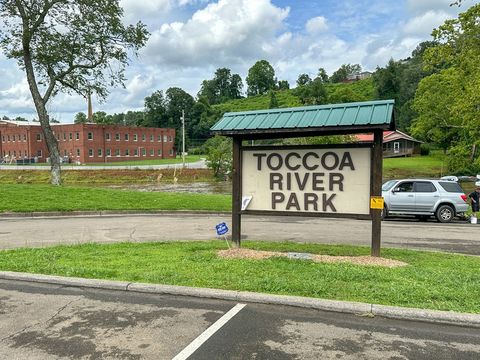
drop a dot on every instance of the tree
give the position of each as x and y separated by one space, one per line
456 59
303 79
80 118
261 78
67 46
314 93
100 117
223 87
155 110
322 74
273 100
344 71
218 150
283 85
176 100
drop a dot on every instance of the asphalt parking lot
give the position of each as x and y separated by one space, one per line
39 321
458 237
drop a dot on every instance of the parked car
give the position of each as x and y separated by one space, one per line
424 198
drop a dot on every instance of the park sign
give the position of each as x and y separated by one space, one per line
316 180
342 180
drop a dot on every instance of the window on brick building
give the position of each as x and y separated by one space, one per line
169 139
117 152
70 136
144 152
127 152
135 152
164 138
159 138
78 152
39 137
109 152
117 137
24 137
64 136
171 152
151 138
90 136
77 136
135 137
39 153
159 152
107 136
99 152
90 152
13 138
64 152
152 152
127 137
144 137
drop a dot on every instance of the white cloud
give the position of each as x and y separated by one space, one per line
317 25
145 8
229 31
422 6
424 24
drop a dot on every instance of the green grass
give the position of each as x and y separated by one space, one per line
433 165
432 280
26 198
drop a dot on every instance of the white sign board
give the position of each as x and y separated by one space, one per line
313 180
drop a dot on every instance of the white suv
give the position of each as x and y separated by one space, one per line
424 198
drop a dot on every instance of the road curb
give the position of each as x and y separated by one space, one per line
348 307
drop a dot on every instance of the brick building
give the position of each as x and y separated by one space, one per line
85 143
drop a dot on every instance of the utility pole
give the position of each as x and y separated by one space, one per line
183 137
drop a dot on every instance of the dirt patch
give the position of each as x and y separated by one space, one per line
356 260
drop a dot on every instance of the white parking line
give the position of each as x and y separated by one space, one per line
195 344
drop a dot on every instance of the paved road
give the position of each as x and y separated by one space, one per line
193 165
35 232
54 322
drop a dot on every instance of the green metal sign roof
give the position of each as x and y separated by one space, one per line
309 120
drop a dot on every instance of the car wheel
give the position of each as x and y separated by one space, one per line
384 212
445 213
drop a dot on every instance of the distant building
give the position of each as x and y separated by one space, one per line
358 76
395 143
22 141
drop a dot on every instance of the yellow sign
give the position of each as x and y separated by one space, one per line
376 202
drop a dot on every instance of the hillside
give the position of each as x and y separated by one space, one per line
362 90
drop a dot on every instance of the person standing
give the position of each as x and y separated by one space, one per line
475 201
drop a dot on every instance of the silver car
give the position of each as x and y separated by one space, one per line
424 198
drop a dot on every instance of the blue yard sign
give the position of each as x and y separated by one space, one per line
222 229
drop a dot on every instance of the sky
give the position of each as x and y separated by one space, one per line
190 39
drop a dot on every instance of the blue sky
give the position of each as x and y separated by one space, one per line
191 38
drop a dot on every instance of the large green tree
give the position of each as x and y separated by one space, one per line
456 59
261 78
223 87
72 46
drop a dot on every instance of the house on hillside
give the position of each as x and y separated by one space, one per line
358 76
395 143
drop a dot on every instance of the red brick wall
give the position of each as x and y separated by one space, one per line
75 143
21 142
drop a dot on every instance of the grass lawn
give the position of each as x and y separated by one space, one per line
433 165
26 198
432 280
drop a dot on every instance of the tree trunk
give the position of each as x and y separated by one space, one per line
40 102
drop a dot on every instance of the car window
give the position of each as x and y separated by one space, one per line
450 186
424 187
405 187
388 185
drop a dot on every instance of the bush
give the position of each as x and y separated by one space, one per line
425 149
459 161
